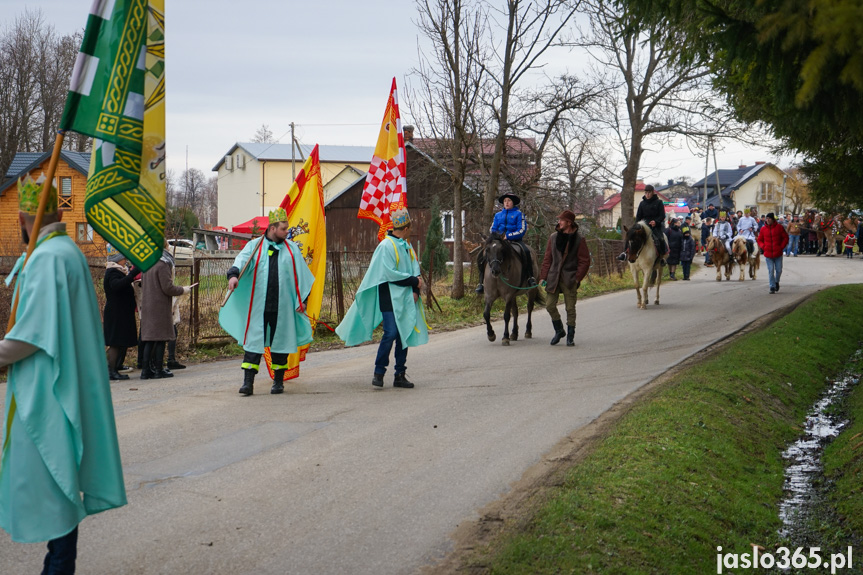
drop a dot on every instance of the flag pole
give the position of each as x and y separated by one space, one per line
37 223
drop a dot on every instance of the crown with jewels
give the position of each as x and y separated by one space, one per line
400 218
278 215
29 191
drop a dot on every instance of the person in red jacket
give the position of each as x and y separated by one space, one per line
772 240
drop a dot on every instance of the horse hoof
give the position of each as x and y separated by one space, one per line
504 341
514 337
656 302
492 337
528 335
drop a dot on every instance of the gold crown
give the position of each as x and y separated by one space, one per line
30 190
278 215
400 218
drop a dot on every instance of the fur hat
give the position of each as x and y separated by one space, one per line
400 218
515 199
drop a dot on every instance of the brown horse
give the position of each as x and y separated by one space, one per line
503 280
823 231
741 254
720 256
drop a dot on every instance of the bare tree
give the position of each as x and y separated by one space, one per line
18 101
264 135
531 29
450 86
656 95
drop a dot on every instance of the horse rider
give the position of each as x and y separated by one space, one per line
652 211
510 224
747 227
722 230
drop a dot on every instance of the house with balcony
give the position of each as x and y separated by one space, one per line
760 186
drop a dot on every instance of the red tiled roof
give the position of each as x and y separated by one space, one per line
612 201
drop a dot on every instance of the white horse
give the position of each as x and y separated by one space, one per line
643 256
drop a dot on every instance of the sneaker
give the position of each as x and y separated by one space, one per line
125 368
777 286
772 290
175 365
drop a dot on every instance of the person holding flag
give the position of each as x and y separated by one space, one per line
269 283
304 204
389 294
60 458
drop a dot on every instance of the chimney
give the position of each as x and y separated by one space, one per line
761 163
670 182
409 133
741 166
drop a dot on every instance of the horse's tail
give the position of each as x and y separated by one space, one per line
653 275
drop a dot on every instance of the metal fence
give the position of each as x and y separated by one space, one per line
345 271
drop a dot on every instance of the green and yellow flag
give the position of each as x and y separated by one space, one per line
117 96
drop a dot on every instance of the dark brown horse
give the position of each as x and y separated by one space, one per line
720 257
503 280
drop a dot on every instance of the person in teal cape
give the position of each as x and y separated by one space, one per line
389 294
269 282
60 456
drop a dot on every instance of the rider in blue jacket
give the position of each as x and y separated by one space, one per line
509 223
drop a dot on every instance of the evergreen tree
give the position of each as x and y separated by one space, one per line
434 246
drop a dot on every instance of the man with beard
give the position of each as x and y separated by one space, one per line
269 284
565 264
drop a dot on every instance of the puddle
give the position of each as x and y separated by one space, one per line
804 486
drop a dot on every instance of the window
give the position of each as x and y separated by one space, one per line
65 190
84 233
767 193
446 223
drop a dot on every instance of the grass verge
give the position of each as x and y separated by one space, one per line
696 464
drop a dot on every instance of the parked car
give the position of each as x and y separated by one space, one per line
182 249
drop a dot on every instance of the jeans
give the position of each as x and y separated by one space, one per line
391 335
62 553
774 271
791 248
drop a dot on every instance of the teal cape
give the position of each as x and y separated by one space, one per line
394 260
293 328
60 460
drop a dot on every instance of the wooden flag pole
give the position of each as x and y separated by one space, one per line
37 223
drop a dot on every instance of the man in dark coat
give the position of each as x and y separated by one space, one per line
120 327
565 264
675 243
710 212
157 321
651 210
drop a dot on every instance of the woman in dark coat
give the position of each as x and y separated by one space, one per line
675 243
157 320
120 328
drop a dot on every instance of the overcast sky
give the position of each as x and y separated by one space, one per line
325 65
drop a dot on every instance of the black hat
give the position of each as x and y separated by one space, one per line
771 215
515 199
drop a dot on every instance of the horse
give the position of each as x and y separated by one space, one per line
720 256
503 280
644 257
741 254
823 230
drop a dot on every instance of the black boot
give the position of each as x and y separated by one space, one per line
480 289
157 361
113 375
401 380
278 382
378 380
558 331
570 335
147 360
172 353
248 382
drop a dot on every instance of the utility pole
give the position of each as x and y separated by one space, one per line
293 141
706 167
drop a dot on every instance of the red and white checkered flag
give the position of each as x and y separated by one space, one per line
385 189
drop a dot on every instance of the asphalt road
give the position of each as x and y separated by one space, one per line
337 477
